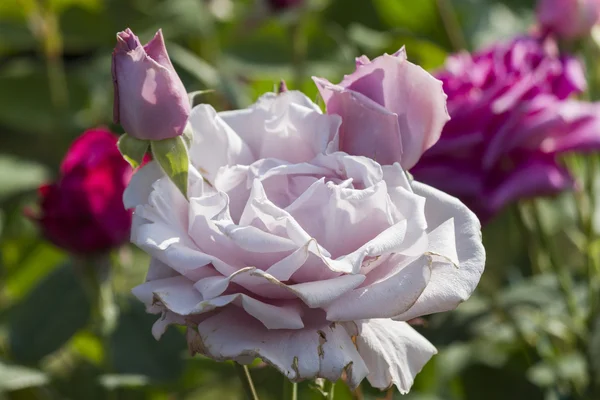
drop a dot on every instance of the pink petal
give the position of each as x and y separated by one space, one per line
384 299
454 278
215 144
366 126
393 352
324 350
277 123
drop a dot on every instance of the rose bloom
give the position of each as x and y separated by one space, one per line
569 19
82 211
511 120
295 252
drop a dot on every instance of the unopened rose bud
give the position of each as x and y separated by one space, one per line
569 19
151 102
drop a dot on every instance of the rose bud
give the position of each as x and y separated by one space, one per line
82 211
569 19
151 102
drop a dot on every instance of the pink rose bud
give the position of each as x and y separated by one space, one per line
82 211
151 102
569 19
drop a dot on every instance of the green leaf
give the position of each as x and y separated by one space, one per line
15 377
196 97
132 149
172 156
134 351
51 314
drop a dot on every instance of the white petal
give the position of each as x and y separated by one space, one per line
451 283
384 299
140 185
325 350
393 351
215 144
277 123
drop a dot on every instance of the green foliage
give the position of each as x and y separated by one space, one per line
135 352
48 317
132 149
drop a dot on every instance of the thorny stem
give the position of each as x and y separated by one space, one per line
246 379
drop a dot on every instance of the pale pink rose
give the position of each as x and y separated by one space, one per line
294 252
569 19
392 110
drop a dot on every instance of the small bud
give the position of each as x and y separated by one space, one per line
282 88
150 100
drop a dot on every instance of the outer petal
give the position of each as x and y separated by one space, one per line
384 299
539 176
321 350
140 186
157 50
404 89
368 129
215 144
449 284
287 126
393 351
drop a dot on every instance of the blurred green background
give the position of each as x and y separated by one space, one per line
512 340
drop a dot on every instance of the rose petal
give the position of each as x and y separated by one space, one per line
450 283
324 350
393 352
383 299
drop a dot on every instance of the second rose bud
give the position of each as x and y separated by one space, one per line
151 102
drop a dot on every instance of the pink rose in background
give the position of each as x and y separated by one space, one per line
297 253
150 100
511 121
569 19
82 211
392 110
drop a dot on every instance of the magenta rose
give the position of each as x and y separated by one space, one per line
150 100
82 211
512 119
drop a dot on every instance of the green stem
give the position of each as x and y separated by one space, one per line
290 389
299 47
564 279
330 390
451 25
527 236
246 379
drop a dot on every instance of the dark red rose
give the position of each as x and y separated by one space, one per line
281 5
83 211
